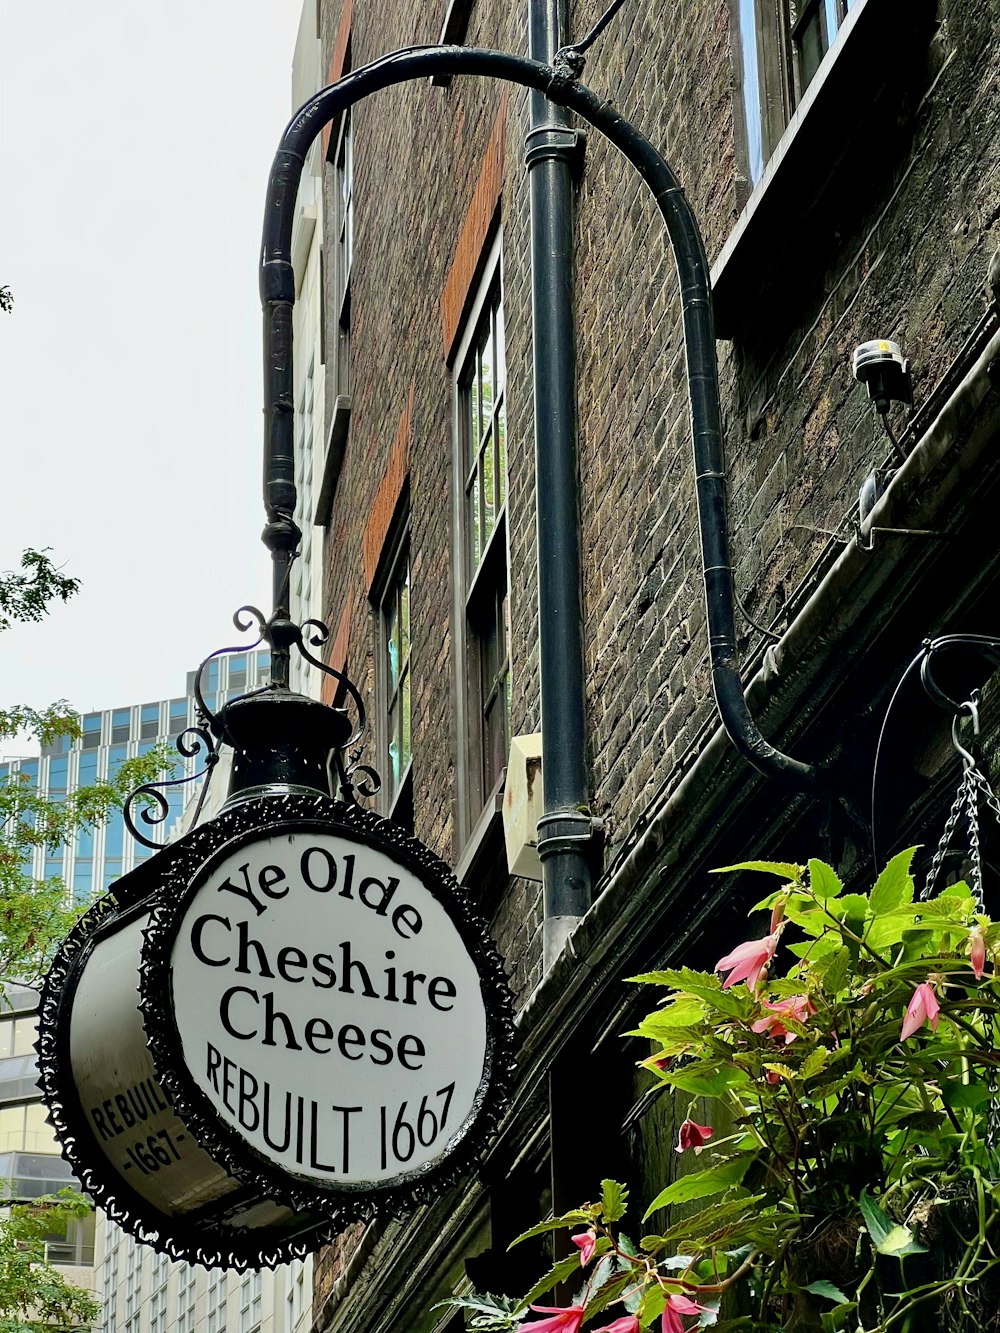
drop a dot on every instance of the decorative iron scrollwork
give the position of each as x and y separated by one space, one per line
190 743
244 618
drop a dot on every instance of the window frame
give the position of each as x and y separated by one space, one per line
469 585
397 552
780 84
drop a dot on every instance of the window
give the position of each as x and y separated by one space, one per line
109 1281
250 1302
394 686
133 1282
344 220
781 47
481 544
91 731
158 1295
120 725
217 1301
186 1291
149 722
238 674
295 1295
178 716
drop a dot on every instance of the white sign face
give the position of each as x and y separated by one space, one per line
328 1008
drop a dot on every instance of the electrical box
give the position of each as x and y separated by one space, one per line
522 806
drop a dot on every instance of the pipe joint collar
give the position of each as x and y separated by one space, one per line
545 142
564 831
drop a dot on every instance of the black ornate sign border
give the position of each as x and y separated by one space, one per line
248 821
179 1238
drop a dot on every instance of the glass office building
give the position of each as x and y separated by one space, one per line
30 1160
97 856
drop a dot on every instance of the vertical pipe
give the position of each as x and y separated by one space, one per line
564 831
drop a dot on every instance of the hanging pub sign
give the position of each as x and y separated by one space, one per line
288 1020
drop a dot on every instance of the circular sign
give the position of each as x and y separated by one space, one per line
327 1012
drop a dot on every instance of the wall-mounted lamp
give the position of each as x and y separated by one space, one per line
885 372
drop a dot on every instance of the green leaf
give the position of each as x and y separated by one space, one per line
814 1062
614 1198
784 869
709 1222
559 1272
888 1237
827 1289
701 1184
835 971
651 1306
609 1292
705 985
705 1078
894 885
578 1217
824 880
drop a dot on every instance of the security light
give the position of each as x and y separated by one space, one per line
882 368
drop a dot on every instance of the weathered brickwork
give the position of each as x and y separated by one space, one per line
899 251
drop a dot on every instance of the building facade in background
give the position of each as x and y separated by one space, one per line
844 162
30 1158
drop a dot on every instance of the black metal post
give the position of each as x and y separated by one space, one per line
559 82
565 831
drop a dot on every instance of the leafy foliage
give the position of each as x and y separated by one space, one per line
35 1297
25 595
852 1170
35 914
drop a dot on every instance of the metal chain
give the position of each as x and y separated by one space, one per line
976 859
946 836
973 787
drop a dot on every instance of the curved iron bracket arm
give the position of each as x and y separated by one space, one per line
560 83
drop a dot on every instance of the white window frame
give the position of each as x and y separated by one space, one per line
473 805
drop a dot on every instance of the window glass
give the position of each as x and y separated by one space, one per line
91 731
396 673
482 450
120 724
238 674
178 715
83 880
149 721
117 755
58 774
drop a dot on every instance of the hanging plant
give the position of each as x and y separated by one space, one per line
847 1174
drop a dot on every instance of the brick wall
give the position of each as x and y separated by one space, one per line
899 253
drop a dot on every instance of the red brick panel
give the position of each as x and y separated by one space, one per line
390 488
337 61
338 655
475 232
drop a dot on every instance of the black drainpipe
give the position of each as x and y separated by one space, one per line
565 830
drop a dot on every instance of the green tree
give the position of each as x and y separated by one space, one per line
35 1297
34 916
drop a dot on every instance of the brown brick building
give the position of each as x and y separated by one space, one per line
844 163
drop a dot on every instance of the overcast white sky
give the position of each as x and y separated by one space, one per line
135 142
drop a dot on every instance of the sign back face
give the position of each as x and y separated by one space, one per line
327 1013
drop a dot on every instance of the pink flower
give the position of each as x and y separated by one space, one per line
977 951
747 961
693 1135
923 1008
797 1007
563 1321
674 1308
628 1323
586 1241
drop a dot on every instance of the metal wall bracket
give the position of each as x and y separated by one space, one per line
556 141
